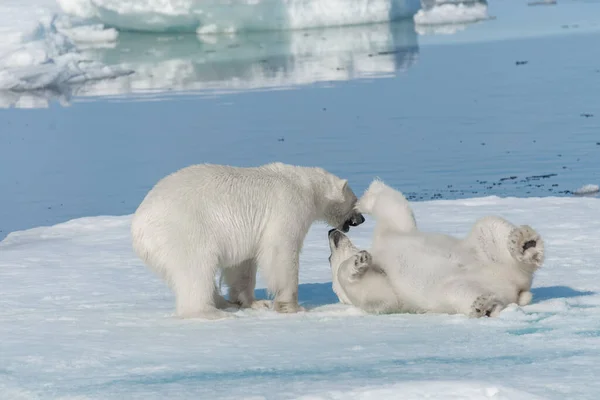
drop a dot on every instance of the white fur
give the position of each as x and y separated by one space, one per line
429 272
208 217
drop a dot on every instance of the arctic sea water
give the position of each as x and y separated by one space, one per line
504 106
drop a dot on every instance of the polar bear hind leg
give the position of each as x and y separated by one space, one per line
388 206
471 299
526 246
486 305
196 292
525 298
241 281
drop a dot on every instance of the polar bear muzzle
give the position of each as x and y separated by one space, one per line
335 235
355 220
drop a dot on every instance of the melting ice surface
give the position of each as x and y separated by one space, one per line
82 318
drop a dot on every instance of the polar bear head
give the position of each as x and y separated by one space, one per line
339 209
342 250
343 254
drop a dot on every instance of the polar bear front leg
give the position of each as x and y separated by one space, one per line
361 263
279 266
526 246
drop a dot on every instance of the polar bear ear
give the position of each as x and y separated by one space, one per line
342 188
343 185
337 189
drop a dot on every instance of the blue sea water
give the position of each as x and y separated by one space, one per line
505 107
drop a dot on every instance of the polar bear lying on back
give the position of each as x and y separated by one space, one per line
412 271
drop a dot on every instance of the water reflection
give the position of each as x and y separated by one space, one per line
259 60
171 63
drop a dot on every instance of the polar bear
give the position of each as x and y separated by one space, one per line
412 271
205 218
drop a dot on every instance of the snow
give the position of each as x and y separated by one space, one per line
587 189
81 317
420 390
236 16
451 14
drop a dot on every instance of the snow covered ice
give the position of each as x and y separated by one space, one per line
81 317
587 189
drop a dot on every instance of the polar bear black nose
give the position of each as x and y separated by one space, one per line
335 236
356 220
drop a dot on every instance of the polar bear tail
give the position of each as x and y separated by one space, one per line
388 206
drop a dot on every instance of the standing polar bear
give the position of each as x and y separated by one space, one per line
412 271
204 218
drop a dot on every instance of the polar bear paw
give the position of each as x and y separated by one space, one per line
222 303
362 262
486 305
526 245
287 307
261 304
525 298
253 304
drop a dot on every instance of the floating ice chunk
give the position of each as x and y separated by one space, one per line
79 8
236 16
19 20
64 71
86 34
587 189
48 58
448 14
171 63
40 52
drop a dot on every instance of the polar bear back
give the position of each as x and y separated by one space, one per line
225 209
